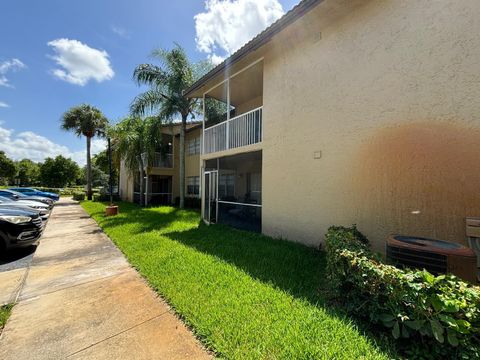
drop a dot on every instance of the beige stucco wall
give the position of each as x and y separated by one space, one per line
389 93
126 184
192 162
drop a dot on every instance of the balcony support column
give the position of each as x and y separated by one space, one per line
146 188
227 145
202 145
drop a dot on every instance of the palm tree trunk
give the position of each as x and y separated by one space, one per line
140 162
182 161
89 169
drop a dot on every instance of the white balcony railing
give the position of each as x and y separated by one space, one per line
159 160
242 130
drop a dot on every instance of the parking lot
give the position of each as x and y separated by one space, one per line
24 214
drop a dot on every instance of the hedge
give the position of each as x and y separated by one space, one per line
67 190
429 317
190 202
78 196
105 197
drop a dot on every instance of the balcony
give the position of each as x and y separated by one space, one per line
242 130
162 161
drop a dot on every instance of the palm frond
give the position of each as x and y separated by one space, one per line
147 102
84 120
149 74
167 82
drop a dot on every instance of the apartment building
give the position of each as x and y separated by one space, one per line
343 112
161 176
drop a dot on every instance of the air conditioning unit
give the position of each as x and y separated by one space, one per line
435 256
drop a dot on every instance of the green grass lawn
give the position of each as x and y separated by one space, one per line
5 311
246 296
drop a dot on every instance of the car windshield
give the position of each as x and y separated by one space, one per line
12 192
23 189
5 199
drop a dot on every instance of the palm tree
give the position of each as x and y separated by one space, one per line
88 121
130 138
165 97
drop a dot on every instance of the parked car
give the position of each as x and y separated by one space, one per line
15 195
35 192
19 228
42 209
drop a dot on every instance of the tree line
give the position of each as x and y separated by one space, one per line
55 172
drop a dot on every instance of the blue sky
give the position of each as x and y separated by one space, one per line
55 54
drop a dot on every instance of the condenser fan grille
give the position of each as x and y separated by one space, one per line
433 262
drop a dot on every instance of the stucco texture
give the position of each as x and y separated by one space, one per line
388 92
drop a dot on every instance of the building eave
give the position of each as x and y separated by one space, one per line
261 39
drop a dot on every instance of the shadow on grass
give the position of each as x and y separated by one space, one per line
147 219
294 268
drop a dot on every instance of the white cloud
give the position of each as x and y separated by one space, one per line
79 63
229 24
4 104
7 66
80 156
32 146
120 31
216 59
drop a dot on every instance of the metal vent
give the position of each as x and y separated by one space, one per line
402 257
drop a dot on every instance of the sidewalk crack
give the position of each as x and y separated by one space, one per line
119 333
73 285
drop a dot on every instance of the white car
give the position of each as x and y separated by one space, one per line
43 209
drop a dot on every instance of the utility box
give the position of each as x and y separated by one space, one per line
472 227
472 230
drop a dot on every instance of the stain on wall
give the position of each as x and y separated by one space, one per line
389 94
420 178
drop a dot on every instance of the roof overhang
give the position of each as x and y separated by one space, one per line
196 90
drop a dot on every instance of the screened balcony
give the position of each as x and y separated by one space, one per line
242 130
232 191
233 111
163 156
159 160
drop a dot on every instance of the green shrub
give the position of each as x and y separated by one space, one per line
105 197
79 196
190 202
428 316
67 191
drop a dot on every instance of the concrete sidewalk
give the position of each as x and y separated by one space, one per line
82 300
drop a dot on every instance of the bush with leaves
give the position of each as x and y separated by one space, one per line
78 196
66 191
105 197
428 316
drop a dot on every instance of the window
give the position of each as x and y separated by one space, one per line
193 146
254 187
193 185
226 186
136 182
